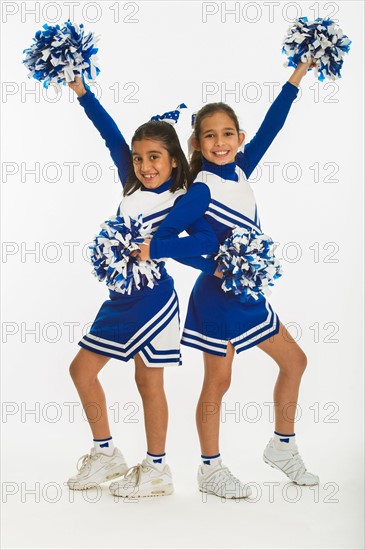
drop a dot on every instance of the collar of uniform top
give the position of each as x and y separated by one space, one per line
225 171
164 187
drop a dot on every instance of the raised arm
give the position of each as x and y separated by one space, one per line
109 131
272 123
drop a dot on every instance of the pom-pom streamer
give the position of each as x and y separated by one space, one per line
322 40
58 54
112 260
247 261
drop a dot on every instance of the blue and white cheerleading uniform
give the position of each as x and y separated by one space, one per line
147 320
215 317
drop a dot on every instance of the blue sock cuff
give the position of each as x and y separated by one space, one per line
284 435
158 456
106 439
157 459
209 457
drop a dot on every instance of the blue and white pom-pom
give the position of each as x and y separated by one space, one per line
58 54
321 39
247 261
111 255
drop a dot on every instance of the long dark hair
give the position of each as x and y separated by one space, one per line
208 110
164 132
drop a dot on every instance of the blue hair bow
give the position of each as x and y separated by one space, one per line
170 116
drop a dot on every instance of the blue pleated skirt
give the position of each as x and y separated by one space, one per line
215 317
146 322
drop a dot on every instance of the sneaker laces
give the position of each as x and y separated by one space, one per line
85 462
134 472
295 465
224 474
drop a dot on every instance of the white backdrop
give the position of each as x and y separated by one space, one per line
58 185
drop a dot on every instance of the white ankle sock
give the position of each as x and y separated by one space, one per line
104 446
156 461
209 462
284 441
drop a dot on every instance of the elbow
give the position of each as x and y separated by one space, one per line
210 245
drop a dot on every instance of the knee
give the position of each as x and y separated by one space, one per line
296 365
301 362
73 370
148 386
220 385
223 385
80 375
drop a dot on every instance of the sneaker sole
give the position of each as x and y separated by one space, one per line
77 486
222 496
280 470
163 491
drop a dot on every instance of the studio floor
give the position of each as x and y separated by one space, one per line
39 513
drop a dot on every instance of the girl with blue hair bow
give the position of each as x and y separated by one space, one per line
143 325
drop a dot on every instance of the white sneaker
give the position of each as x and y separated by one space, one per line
97 468
289 461
143 480
221 482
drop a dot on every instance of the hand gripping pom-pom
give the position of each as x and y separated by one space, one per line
58 54
322 40
112 260
247 261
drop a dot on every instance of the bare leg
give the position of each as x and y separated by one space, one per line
150 385
292 362
84 371
217 380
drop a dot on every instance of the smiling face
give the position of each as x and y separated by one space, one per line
218 138
152 163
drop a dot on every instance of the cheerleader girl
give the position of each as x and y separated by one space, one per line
143 325
219 323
